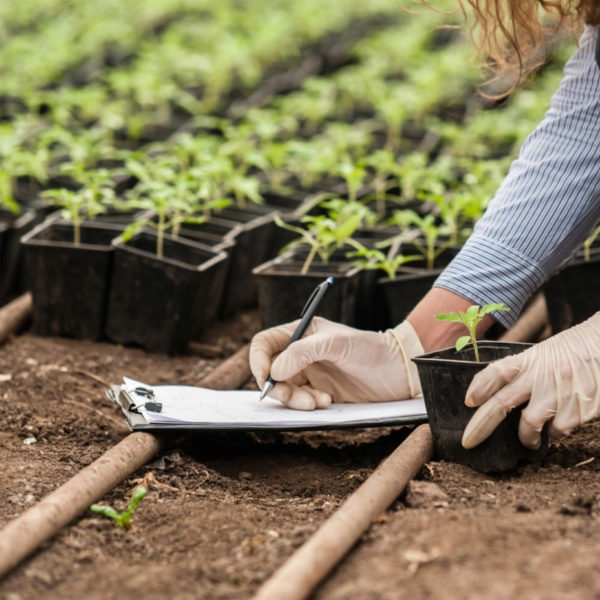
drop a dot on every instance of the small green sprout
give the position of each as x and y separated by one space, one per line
122 519
470 319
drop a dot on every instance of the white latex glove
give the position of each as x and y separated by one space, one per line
336 363
559 376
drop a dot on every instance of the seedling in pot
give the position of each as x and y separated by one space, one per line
324 234
123 518
173 197
372 259
429 246
471 319
87 202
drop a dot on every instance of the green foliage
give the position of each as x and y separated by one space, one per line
430 243
386 168
471 319
324 234
109 70
354 176
374 259
123 518
174 197
92 199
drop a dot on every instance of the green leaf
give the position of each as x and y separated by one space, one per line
462 341
137 497
131 230
472 313
106 511
451 317
349 227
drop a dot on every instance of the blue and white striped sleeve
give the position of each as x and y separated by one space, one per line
547 204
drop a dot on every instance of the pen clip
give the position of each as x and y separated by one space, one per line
322 286
311 298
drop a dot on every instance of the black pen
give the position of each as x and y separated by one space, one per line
308 312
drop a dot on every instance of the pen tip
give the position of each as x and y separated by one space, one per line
330 280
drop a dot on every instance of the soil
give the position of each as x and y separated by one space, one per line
229 508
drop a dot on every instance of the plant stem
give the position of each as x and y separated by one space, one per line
474 340
76 232
380 198
430 257
308 261
160 231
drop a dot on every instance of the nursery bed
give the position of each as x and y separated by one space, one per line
242 503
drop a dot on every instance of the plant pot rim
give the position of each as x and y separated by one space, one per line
215 256
18 220
30 237
266 269
219 242
436 357
408 273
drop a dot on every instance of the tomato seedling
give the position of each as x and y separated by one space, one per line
470 319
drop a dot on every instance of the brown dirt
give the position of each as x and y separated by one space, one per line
244 502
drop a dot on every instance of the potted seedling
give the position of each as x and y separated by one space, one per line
419 236
573 295
375 264
236 211
445 376
317 252
165 289
68 263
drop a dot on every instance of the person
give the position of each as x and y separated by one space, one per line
544 209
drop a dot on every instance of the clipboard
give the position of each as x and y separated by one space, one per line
179 407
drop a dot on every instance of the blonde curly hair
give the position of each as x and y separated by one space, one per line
512 34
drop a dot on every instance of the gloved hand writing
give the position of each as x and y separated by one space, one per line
559 376
336 363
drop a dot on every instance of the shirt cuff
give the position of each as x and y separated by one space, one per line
485 271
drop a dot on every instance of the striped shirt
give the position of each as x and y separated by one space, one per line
548 203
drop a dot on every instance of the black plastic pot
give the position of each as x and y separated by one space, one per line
252 236
283 290
162 303
445 376
573 294
69 283
12 227
398 296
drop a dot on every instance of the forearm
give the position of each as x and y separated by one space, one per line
436 334
546 206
